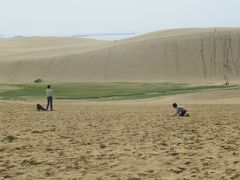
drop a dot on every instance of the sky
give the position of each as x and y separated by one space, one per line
75 17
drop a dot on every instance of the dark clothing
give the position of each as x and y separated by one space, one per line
183 112
40 108
180 111
49 102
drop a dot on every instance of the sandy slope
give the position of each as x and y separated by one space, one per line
111 141
189 55
210 97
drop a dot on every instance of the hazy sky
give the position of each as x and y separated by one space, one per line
69 17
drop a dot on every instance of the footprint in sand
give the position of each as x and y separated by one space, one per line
103 146
230 171
9 138
178 170
236 176
49 172
30 162
150 171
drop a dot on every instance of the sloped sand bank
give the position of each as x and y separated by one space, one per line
179 55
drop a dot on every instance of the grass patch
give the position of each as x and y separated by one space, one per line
101 91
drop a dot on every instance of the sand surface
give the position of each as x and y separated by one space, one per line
137 139
179 55
111 140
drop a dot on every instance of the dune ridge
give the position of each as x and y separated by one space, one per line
179 55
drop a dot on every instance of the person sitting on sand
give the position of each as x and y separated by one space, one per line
49 92
180 111
40 108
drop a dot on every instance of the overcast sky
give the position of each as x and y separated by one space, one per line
70 17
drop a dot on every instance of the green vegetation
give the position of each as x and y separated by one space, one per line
101 91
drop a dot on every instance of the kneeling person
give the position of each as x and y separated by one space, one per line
180 111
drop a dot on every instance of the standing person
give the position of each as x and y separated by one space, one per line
180 111
49 92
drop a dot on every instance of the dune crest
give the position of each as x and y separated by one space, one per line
180 55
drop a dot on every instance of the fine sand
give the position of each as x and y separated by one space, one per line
179 55
120 140
137 139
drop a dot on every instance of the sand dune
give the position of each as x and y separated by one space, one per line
186 55
132 140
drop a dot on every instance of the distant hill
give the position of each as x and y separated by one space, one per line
179 55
